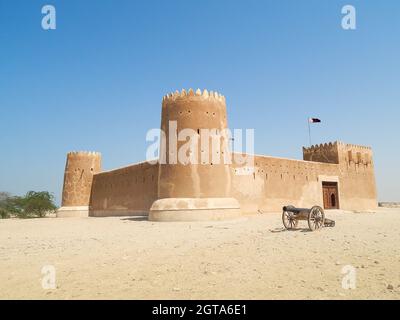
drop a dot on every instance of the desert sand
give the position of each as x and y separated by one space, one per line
249 258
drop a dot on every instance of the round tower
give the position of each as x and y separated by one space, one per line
78 176
194 172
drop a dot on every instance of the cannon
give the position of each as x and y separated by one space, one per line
314 216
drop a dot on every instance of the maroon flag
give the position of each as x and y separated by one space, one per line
311 120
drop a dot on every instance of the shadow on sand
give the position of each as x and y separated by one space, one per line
135 218
276 230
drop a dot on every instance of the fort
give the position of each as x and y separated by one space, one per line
333 175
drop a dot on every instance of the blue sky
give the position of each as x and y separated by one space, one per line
96 82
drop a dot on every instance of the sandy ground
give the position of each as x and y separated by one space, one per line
249 258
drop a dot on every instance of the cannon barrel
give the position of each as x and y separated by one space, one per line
293 209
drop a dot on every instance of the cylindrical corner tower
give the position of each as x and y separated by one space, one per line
78 178
194 174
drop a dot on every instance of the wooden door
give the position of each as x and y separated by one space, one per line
330 195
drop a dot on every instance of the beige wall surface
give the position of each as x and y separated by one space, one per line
276 182
126 191
80 168
358 177
197 111
273 183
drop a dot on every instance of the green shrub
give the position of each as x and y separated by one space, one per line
4 204
33 204
4 214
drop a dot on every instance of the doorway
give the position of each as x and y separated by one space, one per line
330 195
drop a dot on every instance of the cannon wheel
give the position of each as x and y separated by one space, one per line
289 220
316 218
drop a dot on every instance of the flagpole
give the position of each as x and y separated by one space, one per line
309 130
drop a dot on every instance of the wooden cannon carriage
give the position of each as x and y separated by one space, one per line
314 216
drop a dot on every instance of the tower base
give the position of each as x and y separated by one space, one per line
73 212
194 209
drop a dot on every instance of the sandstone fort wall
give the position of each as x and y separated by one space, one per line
78 175
276 182
194 111
213 190
126 191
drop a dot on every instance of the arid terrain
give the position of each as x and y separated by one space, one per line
249 258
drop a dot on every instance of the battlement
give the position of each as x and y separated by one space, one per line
328 145
353 146
212 95
325 152
83 153
338 152
355 154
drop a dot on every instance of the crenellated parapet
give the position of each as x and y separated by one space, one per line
326 152
353 154
183 94
83 153
194 109
339 153
321 146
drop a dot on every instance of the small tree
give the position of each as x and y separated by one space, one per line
34 204
4 205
